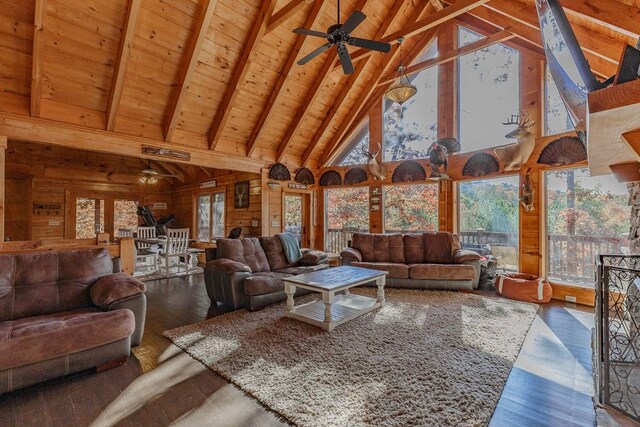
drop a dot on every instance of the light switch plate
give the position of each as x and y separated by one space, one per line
254 223
275 223
53 223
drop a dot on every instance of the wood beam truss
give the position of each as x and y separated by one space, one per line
37 56
121 65
615 15
286 12
188 67
240 73
312 20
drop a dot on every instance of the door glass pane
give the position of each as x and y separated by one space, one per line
293 215
218 215
347 212
410 208
586 216
488 218
204 217
125 216
89 217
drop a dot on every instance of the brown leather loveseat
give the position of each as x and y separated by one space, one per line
248 272
421 261
63 312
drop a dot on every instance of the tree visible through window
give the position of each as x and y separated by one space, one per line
210 216
488 92
410 208
356 145
89 217
409 129
347 211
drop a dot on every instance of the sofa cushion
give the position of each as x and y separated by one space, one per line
39 283
442 272
264 283
35 339
413 248
379 247
396 270
437 248
247 251
312 257
363 242
274 251
303 269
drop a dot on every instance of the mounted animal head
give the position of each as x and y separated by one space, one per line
377 170
527 193
514 155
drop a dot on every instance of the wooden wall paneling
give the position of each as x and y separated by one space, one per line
37 56
18 208
3 149
240 72
187 69
122 62
447 86
376 137
312 21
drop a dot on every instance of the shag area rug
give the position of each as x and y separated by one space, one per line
431 358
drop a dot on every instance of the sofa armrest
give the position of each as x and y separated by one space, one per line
226 288
462 255
311 257
351 254
228 266
115 287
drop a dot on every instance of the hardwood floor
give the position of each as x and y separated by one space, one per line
550 384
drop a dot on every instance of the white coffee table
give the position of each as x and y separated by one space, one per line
333 310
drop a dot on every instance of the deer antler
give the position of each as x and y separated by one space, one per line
521 119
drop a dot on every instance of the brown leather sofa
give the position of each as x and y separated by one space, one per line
421 261
63 312
248 272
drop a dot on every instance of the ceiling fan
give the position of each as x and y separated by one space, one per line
339 35
150 175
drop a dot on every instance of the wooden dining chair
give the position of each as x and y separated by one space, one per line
146 259
177 247
125 232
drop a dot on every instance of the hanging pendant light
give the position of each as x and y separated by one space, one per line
401 90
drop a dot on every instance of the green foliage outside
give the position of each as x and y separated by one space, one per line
411 208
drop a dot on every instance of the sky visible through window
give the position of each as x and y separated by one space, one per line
488 93
557 117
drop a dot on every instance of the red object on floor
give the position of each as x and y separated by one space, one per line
524 287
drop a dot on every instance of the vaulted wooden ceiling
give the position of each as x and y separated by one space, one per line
221 74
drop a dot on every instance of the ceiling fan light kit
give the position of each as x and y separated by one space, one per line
148 180
339 35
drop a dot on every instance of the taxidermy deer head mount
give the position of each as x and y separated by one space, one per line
377 170
526 198
514 155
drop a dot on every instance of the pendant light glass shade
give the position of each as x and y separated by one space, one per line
148 180
401 90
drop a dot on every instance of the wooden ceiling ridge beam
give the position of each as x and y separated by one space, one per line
240 72
495 38
314 16
121 65
431 21
353 78
310 97
37 56
332 148
188 67
615 15
286 12
25 128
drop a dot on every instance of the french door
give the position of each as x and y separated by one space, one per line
296 216
92 214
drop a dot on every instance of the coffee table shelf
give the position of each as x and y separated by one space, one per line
343 309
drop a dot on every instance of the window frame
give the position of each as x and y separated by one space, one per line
211 192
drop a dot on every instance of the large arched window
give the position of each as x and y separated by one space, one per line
488 92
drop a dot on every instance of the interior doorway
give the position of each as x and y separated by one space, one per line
296 216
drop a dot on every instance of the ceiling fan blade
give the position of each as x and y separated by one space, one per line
314 33
166 175
369 44
345 59
315 53
353 21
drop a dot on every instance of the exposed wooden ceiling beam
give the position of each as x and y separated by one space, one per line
206 171
615 15
121 65
37 56
312 20
170 169
23 128
353 78
422 25
437 4
330 150
188 67
286 12
240 72
498 37
310 97
191 171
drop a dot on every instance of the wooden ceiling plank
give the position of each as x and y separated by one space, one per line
123 60
188 67
206 171
25 128
420 26
615 15
499 37
286 12
240 73
40 12
169 169
330 150
353 78
315 14
190 170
